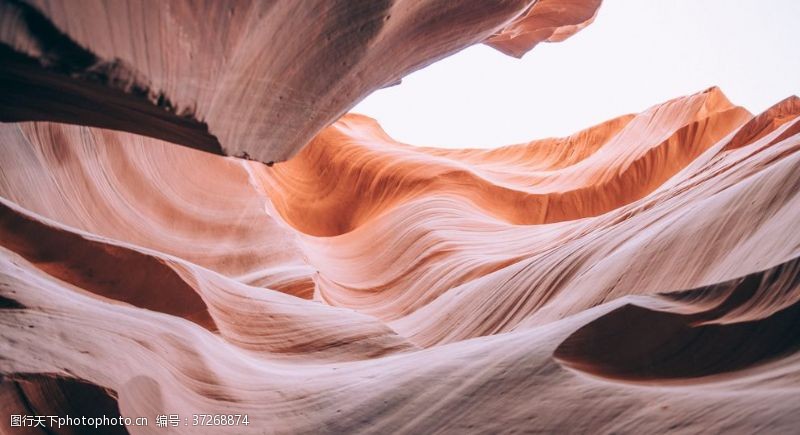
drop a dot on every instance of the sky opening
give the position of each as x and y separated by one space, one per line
636 54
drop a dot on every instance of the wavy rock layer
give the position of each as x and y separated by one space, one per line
639 276
253 79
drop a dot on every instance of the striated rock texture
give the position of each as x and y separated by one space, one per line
248 78
640 276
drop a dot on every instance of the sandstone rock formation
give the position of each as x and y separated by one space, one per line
639 276
655 287
254 79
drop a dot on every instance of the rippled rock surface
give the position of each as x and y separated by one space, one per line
639 276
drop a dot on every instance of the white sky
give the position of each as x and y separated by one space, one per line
637 53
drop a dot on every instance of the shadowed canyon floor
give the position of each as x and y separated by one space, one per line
639 276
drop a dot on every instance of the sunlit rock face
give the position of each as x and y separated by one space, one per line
639 276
